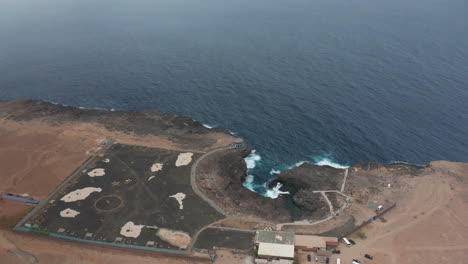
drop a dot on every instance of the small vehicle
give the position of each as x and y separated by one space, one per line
336 251
352 241
316 259
327 260
380 207
309 258
369 256
346 242
355 261
322 259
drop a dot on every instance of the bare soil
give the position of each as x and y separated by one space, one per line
41 144
427 226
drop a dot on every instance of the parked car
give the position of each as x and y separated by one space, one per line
352 241
336 251
369 256
309 258
327 260
355 261
322 259
316 258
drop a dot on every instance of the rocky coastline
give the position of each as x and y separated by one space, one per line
221 175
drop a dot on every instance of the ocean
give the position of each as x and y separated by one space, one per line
334 82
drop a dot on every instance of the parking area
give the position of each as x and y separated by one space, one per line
213 237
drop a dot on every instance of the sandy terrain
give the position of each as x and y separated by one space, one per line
225 256
36 156
21 248
427 226
175 238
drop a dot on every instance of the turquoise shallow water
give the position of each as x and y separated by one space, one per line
331 81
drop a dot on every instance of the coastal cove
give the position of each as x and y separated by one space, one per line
328 82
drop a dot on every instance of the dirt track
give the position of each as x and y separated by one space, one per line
428 225
35 156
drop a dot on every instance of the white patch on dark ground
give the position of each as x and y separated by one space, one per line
184 159
80 194
156 167
69 213
179 197
131 230
97 172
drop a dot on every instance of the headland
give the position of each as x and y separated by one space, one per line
173 187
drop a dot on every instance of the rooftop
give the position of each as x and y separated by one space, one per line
313 241
274 237
276 250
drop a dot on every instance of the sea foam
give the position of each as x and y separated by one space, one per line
275 192
252 159
328 161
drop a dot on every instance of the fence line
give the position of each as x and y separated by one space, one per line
60 186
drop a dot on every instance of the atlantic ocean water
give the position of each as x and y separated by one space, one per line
328 81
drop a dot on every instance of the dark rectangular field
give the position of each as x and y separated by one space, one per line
213 237
128 195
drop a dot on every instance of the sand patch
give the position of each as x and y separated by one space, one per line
69 213
80 194
184 159
96 173
179 197
131 230
176 238
156 167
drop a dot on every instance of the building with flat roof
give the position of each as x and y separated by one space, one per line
274 237
275 251
314 243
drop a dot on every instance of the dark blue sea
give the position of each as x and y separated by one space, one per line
329 81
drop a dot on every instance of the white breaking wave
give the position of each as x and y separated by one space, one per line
248 183
324 161
275 192
252 159
273 171
208 126
297 164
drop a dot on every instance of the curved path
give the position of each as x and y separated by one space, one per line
193 181
330 206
